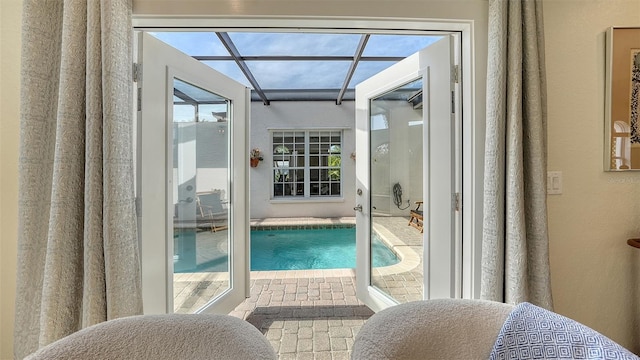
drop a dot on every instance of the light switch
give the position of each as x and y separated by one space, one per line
554 182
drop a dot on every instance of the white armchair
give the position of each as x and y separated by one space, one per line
432 329
159 337
477 329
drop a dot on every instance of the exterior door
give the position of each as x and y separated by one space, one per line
406 173
192 182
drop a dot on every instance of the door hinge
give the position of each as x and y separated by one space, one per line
139 99
456 200
137 72
453 102
455 69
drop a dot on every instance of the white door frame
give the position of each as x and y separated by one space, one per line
472 184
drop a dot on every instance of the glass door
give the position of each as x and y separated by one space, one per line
406 182
192 180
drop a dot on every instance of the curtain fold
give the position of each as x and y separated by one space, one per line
515 249
77 248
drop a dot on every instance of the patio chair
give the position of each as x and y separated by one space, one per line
211 211
416 217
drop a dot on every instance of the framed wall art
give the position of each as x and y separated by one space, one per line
622 125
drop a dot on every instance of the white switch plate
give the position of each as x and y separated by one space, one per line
554 182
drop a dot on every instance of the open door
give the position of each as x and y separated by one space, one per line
192 182
406 179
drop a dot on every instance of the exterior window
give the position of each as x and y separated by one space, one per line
307 164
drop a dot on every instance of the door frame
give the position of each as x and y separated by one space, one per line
472 144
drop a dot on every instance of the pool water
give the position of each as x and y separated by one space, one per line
301 249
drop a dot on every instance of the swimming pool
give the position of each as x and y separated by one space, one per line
301 249
291 248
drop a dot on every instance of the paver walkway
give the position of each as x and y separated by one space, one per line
306 317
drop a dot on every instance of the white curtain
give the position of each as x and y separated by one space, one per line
515 251
77 249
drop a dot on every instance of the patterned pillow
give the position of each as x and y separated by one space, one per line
531 332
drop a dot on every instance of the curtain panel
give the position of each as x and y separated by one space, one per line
515 249
78 260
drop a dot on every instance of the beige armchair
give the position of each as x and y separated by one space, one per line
432 329
159 337
477 329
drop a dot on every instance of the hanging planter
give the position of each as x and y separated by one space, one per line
255 157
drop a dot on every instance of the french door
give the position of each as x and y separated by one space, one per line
407 172
192 182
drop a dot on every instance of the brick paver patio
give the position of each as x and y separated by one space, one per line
306 317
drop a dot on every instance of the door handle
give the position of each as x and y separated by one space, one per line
358 208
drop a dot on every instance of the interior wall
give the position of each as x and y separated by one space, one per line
310 115
595 275
10 17
446 9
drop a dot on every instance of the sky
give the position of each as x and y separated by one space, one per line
296 74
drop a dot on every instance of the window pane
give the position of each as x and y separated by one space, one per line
295 43
294 74
322 163
289 189
334 174
397 45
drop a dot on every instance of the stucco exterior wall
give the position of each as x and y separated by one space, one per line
295 115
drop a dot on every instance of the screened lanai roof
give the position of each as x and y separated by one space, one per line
297 66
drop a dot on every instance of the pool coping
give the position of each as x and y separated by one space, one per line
301 227
409 259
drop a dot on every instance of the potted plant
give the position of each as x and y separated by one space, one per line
255 157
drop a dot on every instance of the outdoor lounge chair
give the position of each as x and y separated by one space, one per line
211 212
416 217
